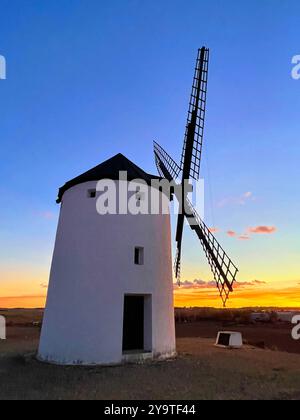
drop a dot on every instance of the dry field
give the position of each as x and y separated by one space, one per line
200 371
275 337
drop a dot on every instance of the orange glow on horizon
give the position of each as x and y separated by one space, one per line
190 297
26 302
241 298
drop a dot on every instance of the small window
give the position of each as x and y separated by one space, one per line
92 193
138 256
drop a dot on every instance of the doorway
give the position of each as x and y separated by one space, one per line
133 323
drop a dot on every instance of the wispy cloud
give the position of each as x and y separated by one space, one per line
44 285
244 237
202 284
47 215
247 194
259 282
231 233
196 284
240 201
262 229
214 230
252 283
267 230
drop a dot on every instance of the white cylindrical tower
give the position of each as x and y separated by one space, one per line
110 297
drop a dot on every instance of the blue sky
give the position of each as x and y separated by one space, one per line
89 79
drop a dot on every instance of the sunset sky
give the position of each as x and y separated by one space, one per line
86 80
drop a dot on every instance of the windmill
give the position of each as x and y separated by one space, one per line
110 295
223 269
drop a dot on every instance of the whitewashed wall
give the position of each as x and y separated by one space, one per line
93 267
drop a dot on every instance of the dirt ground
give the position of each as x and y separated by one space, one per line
201 371
270 336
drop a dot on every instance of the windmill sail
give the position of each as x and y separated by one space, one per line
223 269
193 140
163 159
168 168
179 236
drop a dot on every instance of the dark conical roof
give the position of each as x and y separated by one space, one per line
109 170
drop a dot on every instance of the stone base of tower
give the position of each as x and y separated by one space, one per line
146 356
127 358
